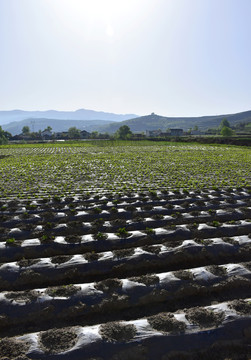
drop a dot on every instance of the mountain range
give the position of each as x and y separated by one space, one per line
154 122
90 120
81 114
15 127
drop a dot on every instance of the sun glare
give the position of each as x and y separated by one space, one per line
94 8
95 13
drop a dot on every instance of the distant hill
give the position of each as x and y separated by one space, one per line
15 127
154 122
137 124
81 114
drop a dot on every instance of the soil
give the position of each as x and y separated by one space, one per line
204 317
118 223
57 340
183 274
60 259
116 331
12 349
108 285
73 239
217 270
146 279
166 322
65 291
173 243
152 249
248 265
123 252
20 296
91 256
241 306
27 262
230 241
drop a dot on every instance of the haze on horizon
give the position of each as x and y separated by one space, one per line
171 57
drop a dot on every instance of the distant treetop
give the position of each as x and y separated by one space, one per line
224 122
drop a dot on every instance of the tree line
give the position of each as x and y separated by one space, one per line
123 133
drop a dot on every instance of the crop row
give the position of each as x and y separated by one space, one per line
207 330
41 172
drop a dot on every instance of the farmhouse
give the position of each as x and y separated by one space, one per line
170 132
153 133
46 134
196 132
84 134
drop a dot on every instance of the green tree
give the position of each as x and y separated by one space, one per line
25 130
7 134
226 131
49 128
224 122
3 138
94 135
123 133
74 133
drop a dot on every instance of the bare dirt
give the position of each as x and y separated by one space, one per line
108 285
148 279
13 349
205 318
64 290
21 296
116 331
166 322
241 306
56 341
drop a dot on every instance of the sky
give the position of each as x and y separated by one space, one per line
171 57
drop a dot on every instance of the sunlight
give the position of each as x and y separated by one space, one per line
103 16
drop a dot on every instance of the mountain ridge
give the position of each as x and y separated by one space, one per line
154 122
7 116
36 124
136 124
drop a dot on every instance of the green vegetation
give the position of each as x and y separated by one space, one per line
100 236
25 130
122 232
149 231
224 123
95 167
10 241
123 133
74 133
3 136
226 131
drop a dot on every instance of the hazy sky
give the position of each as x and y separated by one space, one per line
171 57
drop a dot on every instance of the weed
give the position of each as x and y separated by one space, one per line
100 236
10 242
122 232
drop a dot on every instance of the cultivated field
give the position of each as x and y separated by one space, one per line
125 250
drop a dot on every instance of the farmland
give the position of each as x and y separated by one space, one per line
125 250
